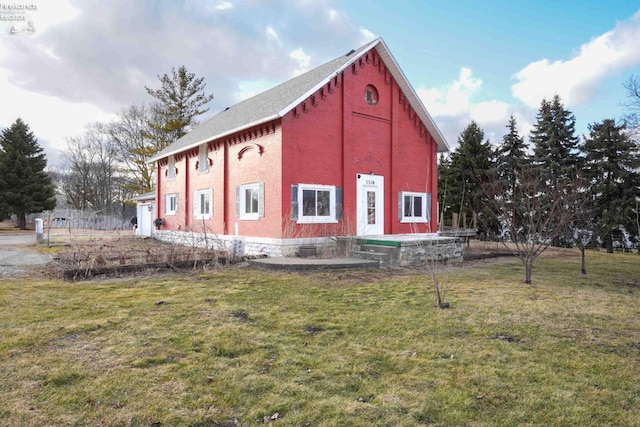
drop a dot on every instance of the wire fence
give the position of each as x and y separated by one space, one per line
78 220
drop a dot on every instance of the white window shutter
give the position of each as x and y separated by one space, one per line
294 203
238 190
261 199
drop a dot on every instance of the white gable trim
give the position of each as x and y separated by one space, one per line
412 97
326 80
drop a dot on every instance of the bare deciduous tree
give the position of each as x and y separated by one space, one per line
632 105
533 211
582 226
92 178
136 142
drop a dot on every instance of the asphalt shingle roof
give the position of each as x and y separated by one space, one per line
277 101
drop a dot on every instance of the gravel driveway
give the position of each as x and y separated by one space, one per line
18 257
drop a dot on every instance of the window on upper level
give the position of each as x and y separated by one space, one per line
203 158
171 168
371 95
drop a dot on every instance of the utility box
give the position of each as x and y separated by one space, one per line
39 230
237 247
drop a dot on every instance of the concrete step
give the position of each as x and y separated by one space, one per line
383 258
388 255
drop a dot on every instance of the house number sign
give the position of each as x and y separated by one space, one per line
370 182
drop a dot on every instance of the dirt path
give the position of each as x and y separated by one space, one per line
18 257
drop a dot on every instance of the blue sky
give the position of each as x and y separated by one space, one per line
84 61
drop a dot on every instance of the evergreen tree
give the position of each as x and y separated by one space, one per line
511 154
612 164
554 140
444 167
470 164
555 153
181 98
24 185
510 159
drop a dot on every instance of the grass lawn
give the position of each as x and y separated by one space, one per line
234 346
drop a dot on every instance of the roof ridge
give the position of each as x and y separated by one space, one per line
275 102
297 78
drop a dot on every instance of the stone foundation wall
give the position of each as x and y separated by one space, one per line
409 253
417 253
241 245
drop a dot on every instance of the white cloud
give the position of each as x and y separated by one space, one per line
225 5
53 13
45 15
333 14
366 35
49 117
271 33
576 79
454 99
302 59
489 111
524 124
453 107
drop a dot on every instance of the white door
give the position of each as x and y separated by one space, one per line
144 219
370 204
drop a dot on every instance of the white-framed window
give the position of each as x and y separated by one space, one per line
250 201
414 207
203 204
203 158
170 204
316 203
171 168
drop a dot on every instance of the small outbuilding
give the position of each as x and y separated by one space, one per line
145 214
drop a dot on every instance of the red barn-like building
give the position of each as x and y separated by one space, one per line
346 149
